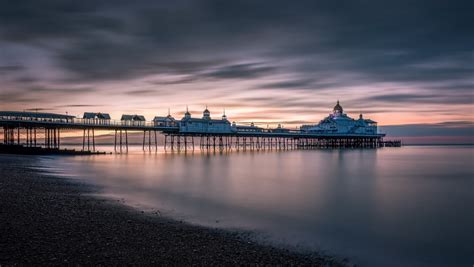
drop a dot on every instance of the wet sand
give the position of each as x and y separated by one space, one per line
51 220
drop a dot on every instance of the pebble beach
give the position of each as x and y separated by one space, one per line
58 221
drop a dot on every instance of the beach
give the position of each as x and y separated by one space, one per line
58 221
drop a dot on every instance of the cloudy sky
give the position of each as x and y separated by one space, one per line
407 64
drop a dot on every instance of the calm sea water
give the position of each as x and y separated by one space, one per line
409 206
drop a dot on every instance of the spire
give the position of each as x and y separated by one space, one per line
187 114
169 113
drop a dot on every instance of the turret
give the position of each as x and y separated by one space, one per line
337 109
187 115
224 117
206 114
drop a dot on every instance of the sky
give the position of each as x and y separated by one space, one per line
406 64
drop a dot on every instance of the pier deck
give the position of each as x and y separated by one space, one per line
26 131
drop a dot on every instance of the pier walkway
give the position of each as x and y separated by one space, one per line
26 128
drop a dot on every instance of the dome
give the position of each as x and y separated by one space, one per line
206 111
206 114
187 114
337 107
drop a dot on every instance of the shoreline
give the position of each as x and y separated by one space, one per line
52 220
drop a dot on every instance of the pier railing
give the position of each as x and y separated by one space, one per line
86 122
150 126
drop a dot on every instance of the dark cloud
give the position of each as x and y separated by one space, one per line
202 72
10 68
38 109
16 97
289 84
187 79
29 20
142 92
42 89
240 71
403 41
36 95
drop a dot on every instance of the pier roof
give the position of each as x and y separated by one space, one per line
42 115
203 120
126 117
161 118
94 115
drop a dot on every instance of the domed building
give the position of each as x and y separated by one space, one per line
205 124
339 123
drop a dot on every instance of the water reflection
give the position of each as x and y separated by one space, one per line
407 206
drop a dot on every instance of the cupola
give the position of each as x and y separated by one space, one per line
224 117
187 115
338 108
206 114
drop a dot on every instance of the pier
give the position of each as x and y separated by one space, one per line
43 130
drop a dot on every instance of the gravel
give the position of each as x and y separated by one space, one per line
56 221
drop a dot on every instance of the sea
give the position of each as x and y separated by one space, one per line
408 206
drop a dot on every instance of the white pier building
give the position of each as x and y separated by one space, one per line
204 124
339 123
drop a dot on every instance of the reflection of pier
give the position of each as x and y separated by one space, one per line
33 129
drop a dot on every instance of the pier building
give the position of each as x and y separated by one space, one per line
205 124
247 128
99 118
133 120
339 122
280 129
167 121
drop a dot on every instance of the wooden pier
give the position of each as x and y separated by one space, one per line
43 130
